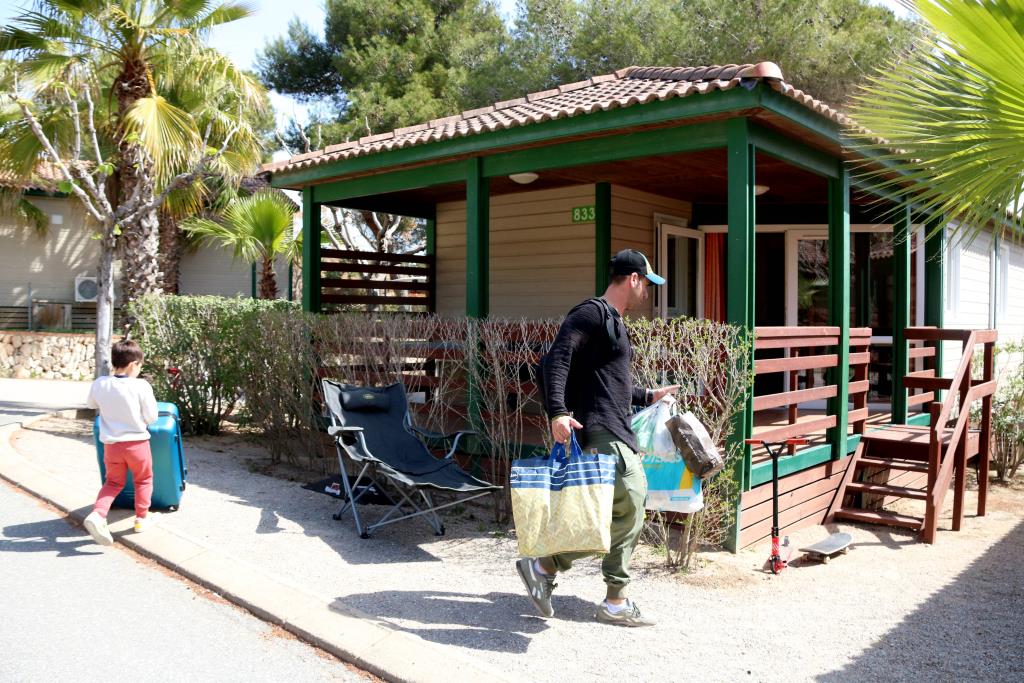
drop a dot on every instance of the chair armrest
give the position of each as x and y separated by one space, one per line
334 431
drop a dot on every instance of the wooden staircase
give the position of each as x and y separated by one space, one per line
902 461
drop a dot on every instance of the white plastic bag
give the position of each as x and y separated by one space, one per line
671 487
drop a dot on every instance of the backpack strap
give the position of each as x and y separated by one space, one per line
610 326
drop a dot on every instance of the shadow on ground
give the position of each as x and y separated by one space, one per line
501 622
51 536
975 618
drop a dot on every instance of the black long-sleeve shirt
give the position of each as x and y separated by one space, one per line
585 375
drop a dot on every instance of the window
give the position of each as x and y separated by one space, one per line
952 271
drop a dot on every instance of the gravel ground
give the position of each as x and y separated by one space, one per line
893 609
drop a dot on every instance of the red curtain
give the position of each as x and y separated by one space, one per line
714 276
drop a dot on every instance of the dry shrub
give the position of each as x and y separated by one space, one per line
507 412
280 387
712 363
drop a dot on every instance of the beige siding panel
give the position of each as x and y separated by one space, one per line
541 263
212 270
50 263
633 220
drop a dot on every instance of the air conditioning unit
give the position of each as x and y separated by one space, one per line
86 289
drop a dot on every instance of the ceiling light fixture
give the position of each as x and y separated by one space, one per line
523 178
760 189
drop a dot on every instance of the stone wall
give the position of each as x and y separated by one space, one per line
49 356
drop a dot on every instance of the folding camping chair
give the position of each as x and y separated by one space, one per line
373 428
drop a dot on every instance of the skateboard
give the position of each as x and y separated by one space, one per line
824 550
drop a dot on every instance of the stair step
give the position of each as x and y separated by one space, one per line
886 490
880 517
903 465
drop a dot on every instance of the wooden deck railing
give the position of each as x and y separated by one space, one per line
947 446
808 349
407 281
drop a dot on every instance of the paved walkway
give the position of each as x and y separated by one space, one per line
23 399
410 606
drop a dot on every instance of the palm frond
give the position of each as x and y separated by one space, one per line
167 133
952 115
14 204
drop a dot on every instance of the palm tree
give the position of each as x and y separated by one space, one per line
136 52
258 228
951 115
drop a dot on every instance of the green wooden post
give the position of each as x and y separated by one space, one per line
431 230
477 239
602 235
839 304
935 281
862 249
740 275
252 278
310 252
901 312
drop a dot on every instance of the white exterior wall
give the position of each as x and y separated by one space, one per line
983 290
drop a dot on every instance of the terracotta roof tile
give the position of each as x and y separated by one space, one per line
625 88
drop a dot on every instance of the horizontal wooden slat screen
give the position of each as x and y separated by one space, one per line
807 349
404 282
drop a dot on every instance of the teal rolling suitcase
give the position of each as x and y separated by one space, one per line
169 470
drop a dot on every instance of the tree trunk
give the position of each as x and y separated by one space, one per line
105 303
170 254
268 279
140 273
141 270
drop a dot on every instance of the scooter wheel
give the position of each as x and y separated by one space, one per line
364 535
336 517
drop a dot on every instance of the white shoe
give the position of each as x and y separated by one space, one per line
143 523
96 525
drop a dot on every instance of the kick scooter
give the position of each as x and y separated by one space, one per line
776 562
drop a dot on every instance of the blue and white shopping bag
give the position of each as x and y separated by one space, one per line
563 504
671 486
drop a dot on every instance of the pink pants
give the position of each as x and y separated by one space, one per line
118 459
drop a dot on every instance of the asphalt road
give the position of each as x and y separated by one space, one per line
71 610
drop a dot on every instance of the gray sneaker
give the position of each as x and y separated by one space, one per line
538 586
630 616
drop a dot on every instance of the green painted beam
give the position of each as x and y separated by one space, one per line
602 236
694 137
934 280
392 181
740 275
310 252
901 312
839 303
761 473
400 207
799 114
793 152
252 275
477 239
612 120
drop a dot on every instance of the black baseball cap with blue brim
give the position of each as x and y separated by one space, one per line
632 261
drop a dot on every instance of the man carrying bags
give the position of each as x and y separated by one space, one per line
588 386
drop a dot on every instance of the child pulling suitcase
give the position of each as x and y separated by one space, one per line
127 411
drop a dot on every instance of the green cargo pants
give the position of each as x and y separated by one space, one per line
627 514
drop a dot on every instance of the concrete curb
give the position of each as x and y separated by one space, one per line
348 634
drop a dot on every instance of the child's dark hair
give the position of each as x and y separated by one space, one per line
124 352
